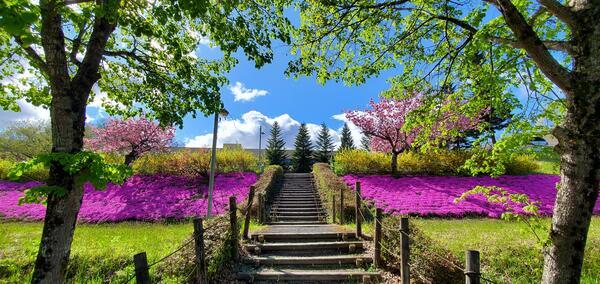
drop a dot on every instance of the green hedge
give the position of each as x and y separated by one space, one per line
329 185
268 184
441 162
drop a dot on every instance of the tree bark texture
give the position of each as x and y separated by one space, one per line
67 113
579 146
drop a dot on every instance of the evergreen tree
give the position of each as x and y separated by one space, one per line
324 145
302 157
365 142
346 140
275 146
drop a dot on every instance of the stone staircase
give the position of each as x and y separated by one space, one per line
299 246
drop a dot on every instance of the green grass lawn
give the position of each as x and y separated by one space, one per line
508 249
105 251
509 253
97 251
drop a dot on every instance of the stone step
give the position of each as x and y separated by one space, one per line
286 196
296 223
304 276
345 246
352 259
274 237
297 218
283 204
297 213
296 198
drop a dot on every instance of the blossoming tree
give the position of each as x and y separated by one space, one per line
385 124
131 136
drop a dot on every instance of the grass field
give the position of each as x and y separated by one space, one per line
99 252
509 253
104 251
508 249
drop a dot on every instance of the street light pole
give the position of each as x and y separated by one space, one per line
260 161
213 162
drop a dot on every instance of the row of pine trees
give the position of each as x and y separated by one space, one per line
305 154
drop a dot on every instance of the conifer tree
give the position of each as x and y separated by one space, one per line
302 157
346 140
275 146
324 145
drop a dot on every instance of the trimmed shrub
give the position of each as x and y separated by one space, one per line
196 163
329 185
521 165
441 162
268 184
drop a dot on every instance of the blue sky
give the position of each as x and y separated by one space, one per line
287 100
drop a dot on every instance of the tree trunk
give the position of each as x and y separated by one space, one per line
579 146
67 120
130 157
394 164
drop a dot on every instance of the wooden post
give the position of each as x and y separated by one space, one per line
357 211
404 250
377 240
342 205
140 261
199 247
248 211
333 208
234 227
472 273
261 208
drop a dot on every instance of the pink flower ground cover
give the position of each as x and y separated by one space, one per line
434 195
148 198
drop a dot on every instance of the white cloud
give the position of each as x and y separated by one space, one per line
244 131
356 132
28 112
241 93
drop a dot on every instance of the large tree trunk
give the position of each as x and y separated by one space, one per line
130 157
579 145
67 119
67 113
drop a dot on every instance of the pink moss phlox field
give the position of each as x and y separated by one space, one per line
434 195
147 198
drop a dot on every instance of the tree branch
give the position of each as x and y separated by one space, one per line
533 45
561 12
71 2
88 74
33 55
558 45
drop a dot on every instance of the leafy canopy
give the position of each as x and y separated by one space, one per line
150 63
434 45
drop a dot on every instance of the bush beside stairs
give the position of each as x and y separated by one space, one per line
299 246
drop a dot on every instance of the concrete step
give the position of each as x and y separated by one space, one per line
309 276
352 259
320 247
297 213
307 236
297 218
284 204
296 222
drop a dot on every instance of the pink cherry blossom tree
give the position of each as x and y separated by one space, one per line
384 124
133 137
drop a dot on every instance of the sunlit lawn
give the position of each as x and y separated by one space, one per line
98 250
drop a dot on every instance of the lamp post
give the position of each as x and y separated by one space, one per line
260 161
213 161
